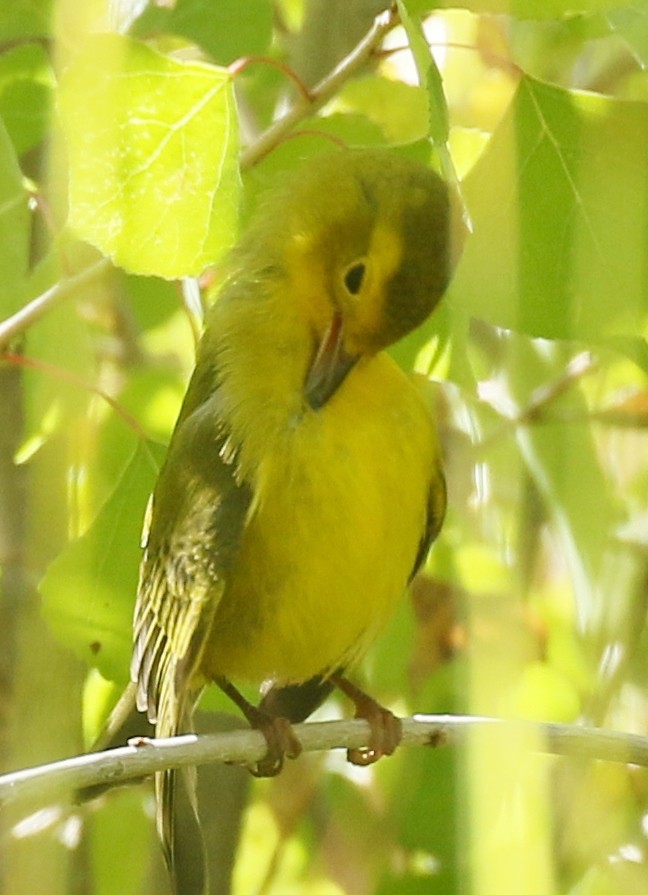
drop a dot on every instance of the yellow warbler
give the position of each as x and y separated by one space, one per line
303 483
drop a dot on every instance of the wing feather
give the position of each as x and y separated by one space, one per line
436 508
194 525
197 516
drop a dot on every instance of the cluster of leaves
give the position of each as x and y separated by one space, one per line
533 602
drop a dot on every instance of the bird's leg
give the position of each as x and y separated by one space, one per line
278 732
386 728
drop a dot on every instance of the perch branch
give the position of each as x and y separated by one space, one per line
58 779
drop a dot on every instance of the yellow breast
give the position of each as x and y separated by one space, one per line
333 533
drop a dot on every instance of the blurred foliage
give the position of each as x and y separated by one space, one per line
533 601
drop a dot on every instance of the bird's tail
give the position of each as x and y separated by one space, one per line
177 818
181 832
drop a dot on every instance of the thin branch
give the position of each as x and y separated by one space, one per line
323 91
239 65
62 778
34 310
538 409
60 373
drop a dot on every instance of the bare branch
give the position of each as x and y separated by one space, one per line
38 307
323 91
62 778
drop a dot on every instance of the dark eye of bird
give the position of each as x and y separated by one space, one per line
354 276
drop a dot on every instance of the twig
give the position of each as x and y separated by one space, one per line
32 312
536 410
578 367
323 91
21 360
239 65
46 782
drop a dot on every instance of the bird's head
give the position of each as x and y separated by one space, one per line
370 255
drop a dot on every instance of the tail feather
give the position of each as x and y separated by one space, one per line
177 817
181 832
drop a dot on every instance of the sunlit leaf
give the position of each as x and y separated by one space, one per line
559 220
429 77
529 9
631 23
153 157
400 109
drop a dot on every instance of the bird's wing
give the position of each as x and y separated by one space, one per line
194 525
436 508
197 515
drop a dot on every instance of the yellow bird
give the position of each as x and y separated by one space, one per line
303 482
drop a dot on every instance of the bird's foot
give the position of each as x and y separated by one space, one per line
386 728
282 740
282 743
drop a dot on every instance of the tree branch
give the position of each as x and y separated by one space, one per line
322 92
33 311
61 778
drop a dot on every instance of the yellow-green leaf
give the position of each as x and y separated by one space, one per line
153 146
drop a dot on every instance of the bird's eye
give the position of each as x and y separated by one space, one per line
354 276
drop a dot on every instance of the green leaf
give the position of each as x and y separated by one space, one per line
631 23
57 392
14 227
153 149
423 809
559 201
400 109
227 30
89 590
525 9
429 76
565 466
25 18
119 835
26 81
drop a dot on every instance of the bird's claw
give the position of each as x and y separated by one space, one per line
386 734
386 729
282 743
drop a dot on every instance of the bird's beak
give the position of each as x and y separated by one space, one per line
330 366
